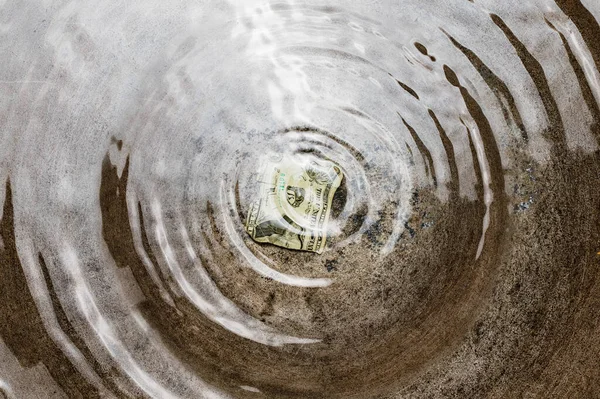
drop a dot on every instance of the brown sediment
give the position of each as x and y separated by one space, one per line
557 258
21 326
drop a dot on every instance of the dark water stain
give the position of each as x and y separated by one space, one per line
108 376
425 153
21 326
408 89
423 50
476 167
586 24
454 184
556 130
117 142
497 86
584 85
498 211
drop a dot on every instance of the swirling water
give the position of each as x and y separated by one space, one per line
464 249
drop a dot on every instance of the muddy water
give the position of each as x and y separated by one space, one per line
463 251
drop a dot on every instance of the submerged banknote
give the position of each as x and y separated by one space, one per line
294 202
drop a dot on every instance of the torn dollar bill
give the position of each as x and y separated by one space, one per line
294 202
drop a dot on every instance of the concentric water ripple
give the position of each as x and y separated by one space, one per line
463 251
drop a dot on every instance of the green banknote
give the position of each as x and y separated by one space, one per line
294 202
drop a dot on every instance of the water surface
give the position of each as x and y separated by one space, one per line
464 246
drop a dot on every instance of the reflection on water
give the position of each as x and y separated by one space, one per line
461 257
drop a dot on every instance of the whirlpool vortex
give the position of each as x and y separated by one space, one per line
463 248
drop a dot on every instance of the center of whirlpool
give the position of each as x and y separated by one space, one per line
316 230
